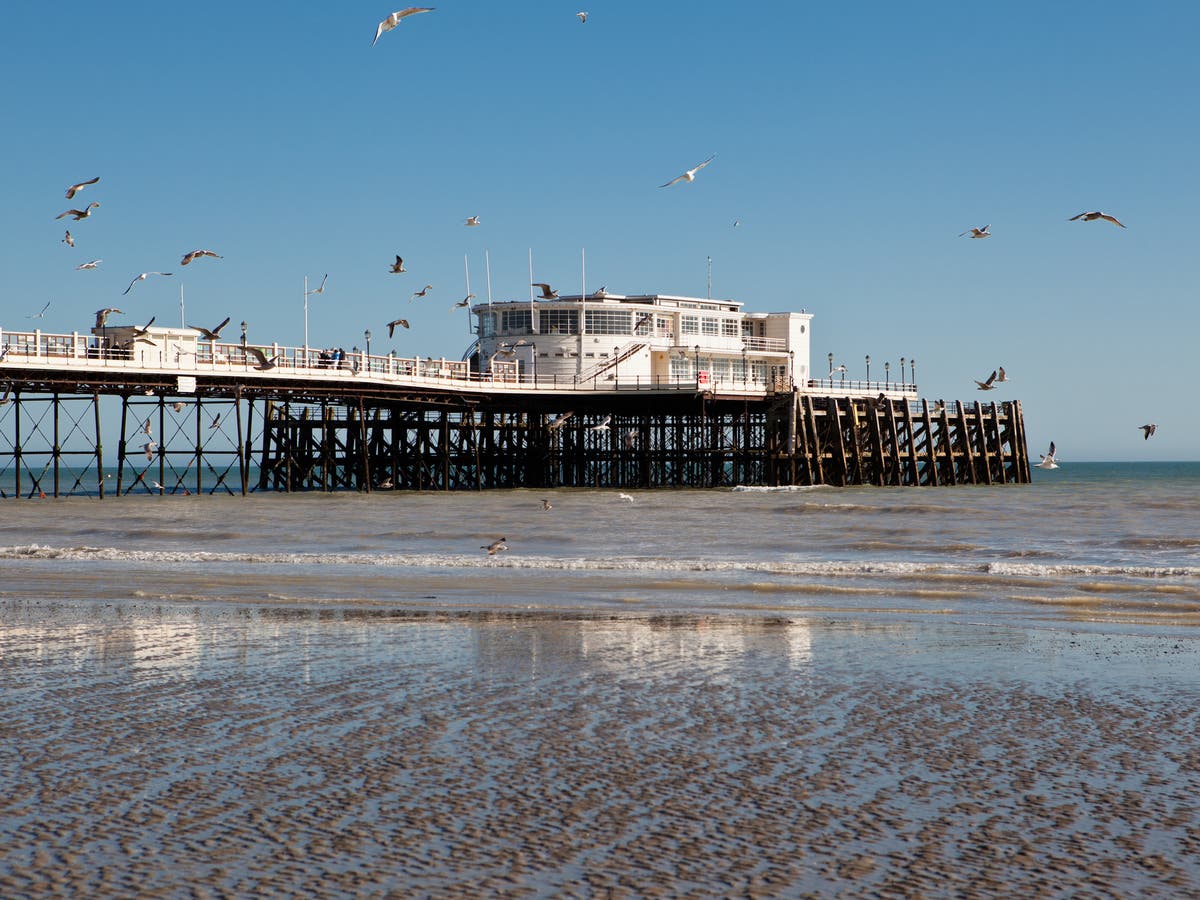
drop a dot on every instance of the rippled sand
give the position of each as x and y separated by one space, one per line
150 750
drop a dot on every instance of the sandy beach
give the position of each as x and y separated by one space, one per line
176 750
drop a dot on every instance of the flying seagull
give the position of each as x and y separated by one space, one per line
1048 460
548 293
141 277
321 289
558 423
79 214
837 369
464 302
1148 430
1093 216
473 220
150 447
582 16
103 314
68 239
989 384
139 334
147 428
546 505
624 496
495 546
690 174
215 422
602 426
978 232
600 293
76 188
89 265
177 406
196 254
211 334
395 18
264 364
41 314
396 269
421 293
403 323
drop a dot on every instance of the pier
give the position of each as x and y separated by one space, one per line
175 414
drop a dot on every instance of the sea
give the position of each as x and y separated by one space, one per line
988 691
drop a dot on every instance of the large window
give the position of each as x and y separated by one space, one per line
709 326
607 321
689 324
517 321
558 321
729 328
487 324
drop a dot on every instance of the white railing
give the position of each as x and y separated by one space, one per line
769 345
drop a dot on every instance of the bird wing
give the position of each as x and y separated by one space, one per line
131 284
70 212
703 164
991 377
1109 218
378 31
673 181
258 354
1051 454
1073 218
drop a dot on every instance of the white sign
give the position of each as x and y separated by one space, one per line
186 384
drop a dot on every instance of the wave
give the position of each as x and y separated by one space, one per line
889 568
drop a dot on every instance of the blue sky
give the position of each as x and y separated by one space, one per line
853 142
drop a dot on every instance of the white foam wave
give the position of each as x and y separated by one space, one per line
778 489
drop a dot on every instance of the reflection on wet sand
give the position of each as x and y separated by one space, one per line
251 751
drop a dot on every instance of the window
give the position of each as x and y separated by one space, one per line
689 324
517 321
558 321
643 323
607 321
729 327
487 324
709 326
681 366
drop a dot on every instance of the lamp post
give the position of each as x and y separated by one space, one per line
244 326
367 336
912 370
745 368
696 373
868 371
831 370
792 368
902 381
887 375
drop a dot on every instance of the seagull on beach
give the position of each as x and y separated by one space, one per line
558 423
602 426
626 497
103 314
397 17
142 277
68 239
690 174
989 384
42 313
1048 459
1148 430
421 293
403 323
978 232
548 293
546 506
1093 216
76 188
211 334
89 265
464 302
79 214
196 254
264 364
495 546
321 289
396 269
472 220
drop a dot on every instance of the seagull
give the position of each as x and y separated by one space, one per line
68 239
7 387
196 254
141 277
624 496
836 369
978 232
421 293
630 437
157 486
403 323
89 265
211 334
321 289
39 315
395 18
387 484
495 546
264 364
139 334
600 293
464 302
1003 376
76 188
558 423
690 174
603 426
546 506
472 220
396 269
177 406
215 422
582 16
150 447
1048 460
103 314
939 408
1093 216
1148 430
147 429
79 214
548 293
988 385
737 222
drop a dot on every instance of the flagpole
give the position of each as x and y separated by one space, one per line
306 321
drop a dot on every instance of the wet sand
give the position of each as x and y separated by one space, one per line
176 750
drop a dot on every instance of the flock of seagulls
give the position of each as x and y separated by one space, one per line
985 231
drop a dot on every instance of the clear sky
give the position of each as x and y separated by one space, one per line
854 142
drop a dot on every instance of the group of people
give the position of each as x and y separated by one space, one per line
331 359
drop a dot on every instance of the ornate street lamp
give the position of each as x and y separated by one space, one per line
902 382
244 326
868 371
912 369
367 335
887 375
